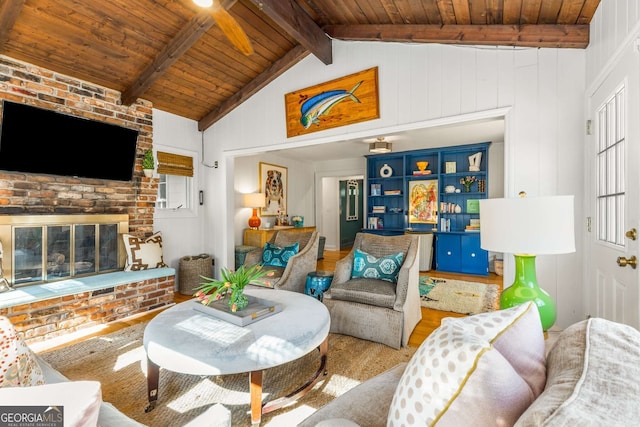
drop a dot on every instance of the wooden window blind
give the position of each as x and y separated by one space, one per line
174 164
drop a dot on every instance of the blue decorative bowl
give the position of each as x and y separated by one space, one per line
297 221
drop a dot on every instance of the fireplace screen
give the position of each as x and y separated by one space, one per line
52 251
94 250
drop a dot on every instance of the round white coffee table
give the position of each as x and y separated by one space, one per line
185 340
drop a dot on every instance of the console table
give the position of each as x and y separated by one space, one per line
261 236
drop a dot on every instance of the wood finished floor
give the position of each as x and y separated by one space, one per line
430 318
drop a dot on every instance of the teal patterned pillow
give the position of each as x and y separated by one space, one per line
383 268
276 256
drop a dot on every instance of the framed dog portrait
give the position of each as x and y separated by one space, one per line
273 184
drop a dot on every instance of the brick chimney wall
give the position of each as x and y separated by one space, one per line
33 194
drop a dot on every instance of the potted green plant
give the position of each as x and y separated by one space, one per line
231 285
148 163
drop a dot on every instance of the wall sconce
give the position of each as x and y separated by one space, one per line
254 201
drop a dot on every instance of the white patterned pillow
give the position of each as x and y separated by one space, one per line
143 254
18 365
484 369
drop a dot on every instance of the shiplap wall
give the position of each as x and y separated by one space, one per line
614 22
541 91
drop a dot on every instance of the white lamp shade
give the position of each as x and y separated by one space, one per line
254 200
528 225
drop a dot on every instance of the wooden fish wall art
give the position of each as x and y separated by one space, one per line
343 101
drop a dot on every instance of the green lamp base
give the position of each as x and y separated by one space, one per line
525 288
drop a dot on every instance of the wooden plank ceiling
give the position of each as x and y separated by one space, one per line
172 52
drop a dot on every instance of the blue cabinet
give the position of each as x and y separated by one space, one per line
461 253
425 191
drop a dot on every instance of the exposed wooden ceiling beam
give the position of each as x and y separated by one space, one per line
267 76
294 20
9 12
182 42
550 36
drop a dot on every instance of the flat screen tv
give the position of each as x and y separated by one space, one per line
36 140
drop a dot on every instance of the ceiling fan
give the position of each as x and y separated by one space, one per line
228 25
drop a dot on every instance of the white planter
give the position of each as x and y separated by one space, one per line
148 172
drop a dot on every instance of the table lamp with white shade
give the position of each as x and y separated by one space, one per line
254 201
526 227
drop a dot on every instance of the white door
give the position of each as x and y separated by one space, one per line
613 166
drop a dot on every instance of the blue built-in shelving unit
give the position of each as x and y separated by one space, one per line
394 179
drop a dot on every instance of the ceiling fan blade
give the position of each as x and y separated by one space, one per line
231 29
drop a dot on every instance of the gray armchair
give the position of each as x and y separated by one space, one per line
373 309
294 275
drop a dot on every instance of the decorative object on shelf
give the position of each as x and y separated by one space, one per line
298 221
450 189
457 209
386 171
516 226
254 201
458 190
148 163
450 167
423 202
339 102
474 162
282 219
482 185
422 166
467 181
273 184
376 190
232 286
473 206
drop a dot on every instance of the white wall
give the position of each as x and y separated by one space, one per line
540 90
612 25
300 189
181 229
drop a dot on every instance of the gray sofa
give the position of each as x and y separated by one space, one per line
589 378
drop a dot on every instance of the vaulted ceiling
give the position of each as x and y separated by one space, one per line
179 56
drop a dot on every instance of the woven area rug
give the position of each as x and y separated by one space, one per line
118 361
458 296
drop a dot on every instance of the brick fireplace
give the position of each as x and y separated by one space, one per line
33 194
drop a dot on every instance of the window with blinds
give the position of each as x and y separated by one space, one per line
175 174
174 164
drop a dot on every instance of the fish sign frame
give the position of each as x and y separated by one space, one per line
343 101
